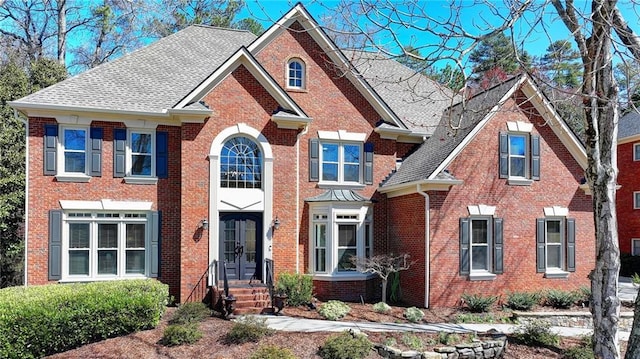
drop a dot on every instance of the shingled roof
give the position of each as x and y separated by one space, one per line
152 79
422 163
629 125
416 99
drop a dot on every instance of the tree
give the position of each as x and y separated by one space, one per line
383 266
592 29
497 51
561 65
220 13
16 82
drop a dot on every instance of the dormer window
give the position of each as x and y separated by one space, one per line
296 74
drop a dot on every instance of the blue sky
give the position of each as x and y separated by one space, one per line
474 17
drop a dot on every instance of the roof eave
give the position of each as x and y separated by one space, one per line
291 122
403 189
47 110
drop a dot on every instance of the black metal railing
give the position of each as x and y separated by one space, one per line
225 279
200 291
269 277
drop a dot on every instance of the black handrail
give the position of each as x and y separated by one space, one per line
226 280
269 280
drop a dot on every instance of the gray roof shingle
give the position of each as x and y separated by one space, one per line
629 125
416 99
151 79
425 160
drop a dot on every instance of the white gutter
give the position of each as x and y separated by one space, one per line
304 131
427 240
26 191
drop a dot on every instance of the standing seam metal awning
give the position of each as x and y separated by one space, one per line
338 195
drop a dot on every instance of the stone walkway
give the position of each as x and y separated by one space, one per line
627 293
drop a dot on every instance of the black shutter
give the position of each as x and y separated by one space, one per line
368 163
535 157
314 160
464 246
541 260
162 154
55 244
504 155
50 149
498 252
571 245
95 163
119 153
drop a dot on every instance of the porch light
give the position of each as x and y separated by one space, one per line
276 223
204 224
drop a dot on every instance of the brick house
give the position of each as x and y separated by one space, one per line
628 193
504 208
213 146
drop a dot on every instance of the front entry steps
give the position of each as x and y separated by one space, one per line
251 298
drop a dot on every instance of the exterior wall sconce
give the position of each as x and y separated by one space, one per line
204 224
276 223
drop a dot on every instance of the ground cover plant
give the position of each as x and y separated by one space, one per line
146 344
40 320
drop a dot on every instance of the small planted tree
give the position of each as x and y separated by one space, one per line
383 265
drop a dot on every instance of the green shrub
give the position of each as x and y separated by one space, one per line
478 303
584 296
445 338
582 351
191 312
412 341
248 329
522 300
41 320
413 314
334 310
536 333
297 287
560 299
178 334
272 352
381 307
345 345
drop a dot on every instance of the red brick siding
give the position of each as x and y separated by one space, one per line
628 217
45 193
519 206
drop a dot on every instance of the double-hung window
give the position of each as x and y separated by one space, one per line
481 244
107 245
519 154
635 246
340 158
338 236
636 151
556 243
74 148
140 155
72 153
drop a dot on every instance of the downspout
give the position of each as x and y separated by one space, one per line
427 239
26 190
304 131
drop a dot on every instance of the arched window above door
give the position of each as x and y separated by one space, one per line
240 164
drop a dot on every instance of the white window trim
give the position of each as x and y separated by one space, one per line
481 274
560 214
332 211
94 221
61 175
636 200
632 246
140 179
303 74
340 181
635 146
526 179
